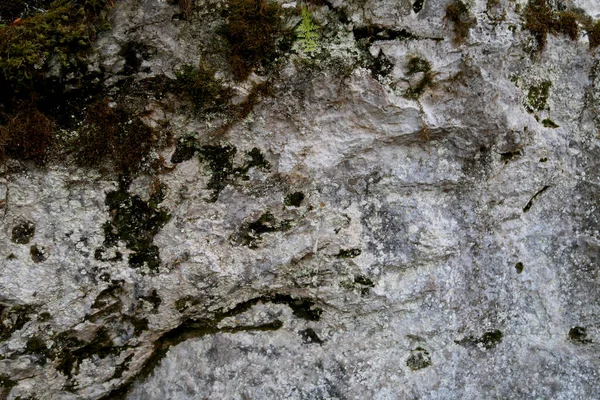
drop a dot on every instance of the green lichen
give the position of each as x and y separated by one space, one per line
537 97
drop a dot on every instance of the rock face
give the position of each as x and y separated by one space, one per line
404 214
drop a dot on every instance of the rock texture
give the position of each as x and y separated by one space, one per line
368 230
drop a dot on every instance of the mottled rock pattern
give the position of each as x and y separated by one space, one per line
345 239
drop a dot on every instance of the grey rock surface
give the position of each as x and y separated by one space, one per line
443 246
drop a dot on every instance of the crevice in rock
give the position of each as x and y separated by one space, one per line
530 202
192 328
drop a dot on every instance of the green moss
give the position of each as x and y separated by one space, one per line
115 135
548 123
458 13
349 253
418 359
252 29
134 222
294 199
541 19
207 93
418 65
64 33
23 232
537 97
27 135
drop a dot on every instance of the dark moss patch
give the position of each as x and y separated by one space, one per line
594 35
509 155
44 316
416 67
37 347
360 283
23 232
250 234
418 6
458 13
27 135
349 253
366 35
198 327
579 334
38 253
294 199
185 149
548 123
541 19
134 222
74 351
122 367
309 336
111 133
13 319
488 340
154 299
252 29
10 10
418 359
380 66
134 54
537 97
519 267
220 162
199 85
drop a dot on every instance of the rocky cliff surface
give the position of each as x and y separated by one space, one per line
403 205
